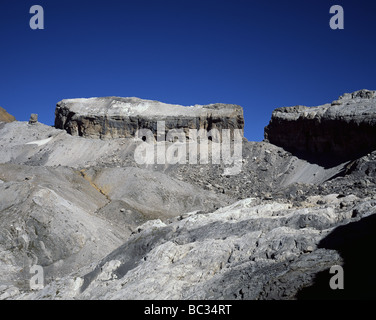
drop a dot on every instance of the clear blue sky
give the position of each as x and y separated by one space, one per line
258 54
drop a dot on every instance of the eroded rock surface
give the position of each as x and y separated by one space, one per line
249 250
103 226
336 132
114 117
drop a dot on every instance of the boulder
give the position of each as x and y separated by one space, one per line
33 118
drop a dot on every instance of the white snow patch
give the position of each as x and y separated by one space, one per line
41 142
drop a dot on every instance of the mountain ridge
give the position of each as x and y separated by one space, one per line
103 226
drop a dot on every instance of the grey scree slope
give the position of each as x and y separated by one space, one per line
104 227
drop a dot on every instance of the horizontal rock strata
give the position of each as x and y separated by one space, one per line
114 117
344 129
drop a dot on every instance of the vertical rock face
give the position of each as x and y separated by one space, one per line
342 130
114 117
5 116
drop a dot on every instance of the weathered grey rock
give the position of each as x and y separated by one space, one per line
154 194
114 117
249 250
114 229
48 217
33 118
343 130
264 167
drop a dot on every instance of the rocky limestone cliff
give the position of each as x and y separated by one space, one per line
105 227
114 117
340 131
5 116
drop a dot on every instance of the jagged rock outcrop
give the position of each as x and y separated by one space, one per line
5 116
342 130
114 117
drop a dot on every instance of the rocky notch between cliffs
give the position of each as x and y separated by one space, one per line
105 227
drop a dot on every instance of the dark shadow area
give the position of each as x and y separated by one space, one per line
356 243
327 160
326 142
